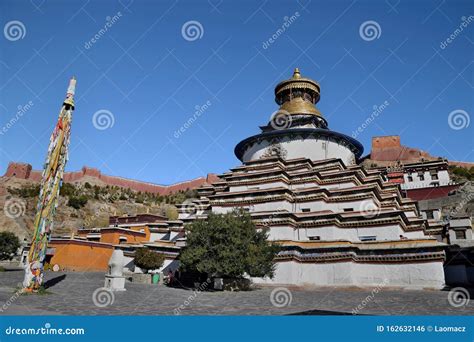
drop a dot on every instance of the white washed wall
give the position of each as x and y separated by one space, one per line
443 179
268 206
312 184
415 275
337 207
382 233
258 186
156 236
311 148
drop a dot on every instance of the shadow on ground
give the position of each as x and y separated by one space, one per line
54 281
320 313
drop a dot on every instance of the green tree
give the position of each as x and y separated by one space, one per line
148 260
9 244
228 245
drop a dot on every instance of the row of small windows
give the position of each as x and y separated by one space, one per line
421 177
460 235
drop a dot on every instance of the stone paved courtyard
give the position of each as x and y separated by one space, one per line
71 294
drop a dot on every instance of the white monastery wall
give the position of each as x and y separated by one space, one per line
414 275
258 186
428 179
312 148
381 233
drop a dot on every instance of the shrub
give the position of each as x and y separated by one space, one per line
228 246
28 191
171 213
77 202
462 172
9 244
148 260
67 190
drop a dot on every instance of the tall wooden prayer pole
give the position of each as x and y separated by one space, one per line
51 182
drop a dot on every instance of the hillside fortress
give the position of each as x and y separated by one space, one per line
25 171
338 223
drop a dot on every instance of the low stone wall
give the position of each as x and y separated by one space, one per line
141 278
404 275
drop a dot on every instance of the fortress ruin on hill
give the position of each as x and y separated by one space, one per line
25 171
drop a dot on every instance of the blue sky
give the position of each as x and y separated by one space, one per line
149 77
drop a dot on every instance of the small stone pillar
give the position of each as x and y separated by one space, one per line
114 279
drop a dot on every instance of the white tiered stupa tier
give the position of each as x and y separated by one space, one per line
338 223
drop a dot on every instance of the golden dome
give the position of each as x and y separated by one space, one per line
299 106
298 95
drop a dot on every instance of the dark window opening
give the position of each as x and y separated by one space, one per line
368 238
460 234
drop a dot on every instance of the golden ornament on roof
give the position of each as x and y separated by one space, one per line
298 95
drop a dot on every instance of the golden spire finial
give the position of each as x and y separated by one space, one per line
296 73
